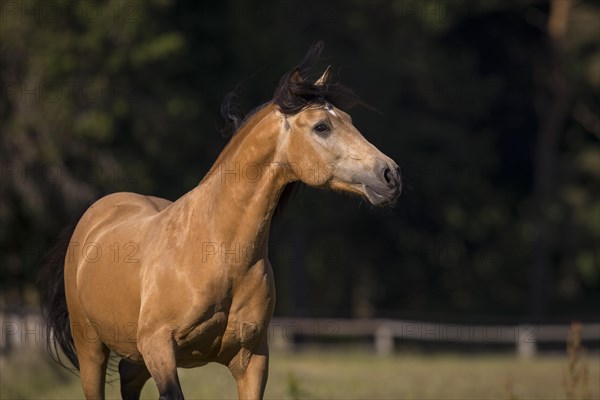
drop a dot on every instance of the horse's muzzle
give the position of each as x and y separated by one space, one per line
387 187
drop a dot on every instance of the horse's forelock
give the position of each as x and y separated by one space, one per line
295 92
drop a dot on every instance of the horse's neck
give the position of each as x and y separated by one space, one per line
234 204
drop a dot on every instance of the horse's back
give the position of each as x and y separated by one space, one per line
128 205
116 209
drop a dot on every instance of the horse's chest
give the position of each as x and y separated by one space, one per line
203 342
241 325
219 338
241 322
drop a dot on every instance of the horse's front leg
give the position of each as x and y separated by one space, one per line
250 369
158 349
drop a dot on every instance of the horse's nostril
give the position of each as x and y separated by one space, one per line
387 175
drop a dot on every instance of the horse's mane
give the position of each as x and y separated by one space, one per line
293 95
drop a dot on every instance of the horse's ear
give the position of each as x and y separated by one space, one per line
296 77
324 78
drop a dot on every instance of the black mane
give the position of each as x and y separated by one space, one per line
292 95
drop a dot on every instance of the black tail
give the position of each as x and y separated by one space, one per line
54 302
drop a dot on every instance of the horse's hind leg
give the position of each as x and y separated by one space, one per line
93 359
133 377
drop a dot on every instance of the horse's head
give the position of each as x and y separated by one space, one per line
321 145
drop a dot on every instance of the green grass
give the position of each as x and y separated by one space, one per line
339 374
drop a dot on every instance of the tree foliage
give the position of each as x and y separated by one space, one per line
103 96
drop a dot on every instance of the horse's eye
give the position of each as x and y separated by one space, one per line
321 128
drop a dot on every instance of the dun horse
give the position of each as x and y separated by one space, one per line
166 284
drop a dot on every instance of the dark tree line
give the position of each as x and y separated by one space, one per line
489 107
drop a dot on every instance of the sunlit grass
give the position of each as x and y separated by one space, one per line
341 374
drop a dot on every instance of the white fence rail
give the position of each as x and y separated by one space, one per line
27 329
385 332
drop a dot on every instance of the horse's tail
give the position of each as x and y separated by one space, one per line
54 301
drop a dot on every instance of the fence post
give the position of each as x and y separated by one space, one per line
526 341
384 340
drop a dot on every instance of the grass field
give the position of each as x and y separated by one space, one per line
340 374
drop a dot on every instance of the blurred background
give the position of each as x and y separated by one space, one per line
490 108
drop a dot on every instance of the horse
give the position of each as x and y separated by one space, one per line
164 284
